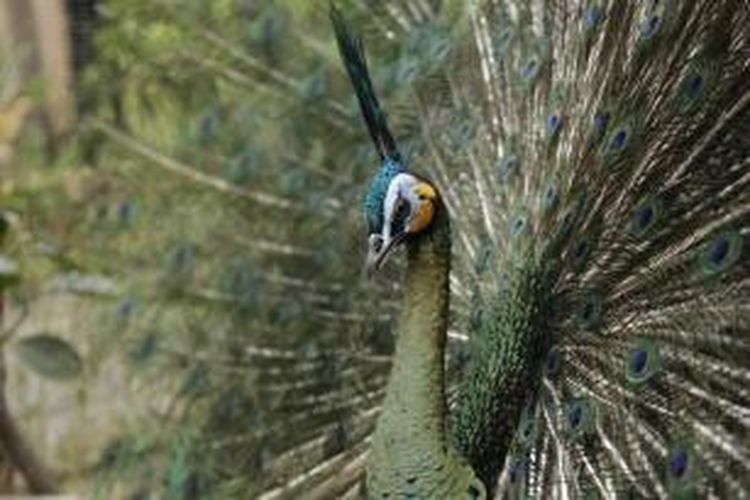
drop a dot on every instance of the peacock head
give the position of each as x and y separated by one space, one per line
398 206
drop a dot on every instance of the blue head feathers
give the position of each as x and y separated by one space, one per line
375 196
353 55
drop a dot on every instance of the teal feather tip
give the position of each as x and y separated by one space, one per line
375 196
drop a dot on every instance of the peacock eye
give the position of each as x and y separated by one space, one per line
400 213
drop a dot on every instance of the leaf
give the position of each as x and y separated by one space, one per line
50 357
9 272
4 225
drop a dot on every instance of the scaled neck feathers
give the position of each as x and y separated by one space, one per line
410 451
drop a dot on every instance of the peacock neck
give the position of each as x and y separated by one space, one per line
417 379
410 455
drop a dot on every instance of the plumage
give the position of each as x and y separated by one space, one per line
599 197
570 181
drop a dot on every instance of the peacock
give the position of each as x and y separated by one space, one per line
583 190
548 295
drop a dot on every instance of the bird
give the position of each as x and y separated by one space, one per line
536 284
601 208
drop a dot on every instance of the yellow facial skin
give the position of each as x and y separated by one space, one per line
426 209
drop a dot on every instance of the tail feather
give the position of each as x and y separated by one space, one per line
613 144
595 160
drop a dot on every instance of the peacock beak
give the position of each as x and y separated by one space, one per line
379 247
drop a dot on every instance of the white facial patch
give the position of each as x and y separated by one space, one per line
401 187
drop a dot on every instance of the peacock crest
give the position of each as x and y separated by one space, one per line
392 164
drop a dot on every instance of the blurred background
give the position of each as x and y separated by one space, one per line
180 220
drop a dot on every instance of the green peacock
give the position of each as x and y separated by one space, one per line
584 188
560 221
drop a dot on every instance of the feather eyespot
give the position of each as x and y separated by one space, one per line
618 141
508 167
590 312
483 258
721 253
518 225
530 67
553 124
581 252
592 17
638 361
600 122
718 251
554 362
643 361
516 469
650 26
503 40
574 417
678 463
645 217
580 417
551 198
694 85
530 70
513 475
683 470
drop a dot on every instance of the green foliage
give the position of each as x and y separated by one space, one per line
50 356
9 272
